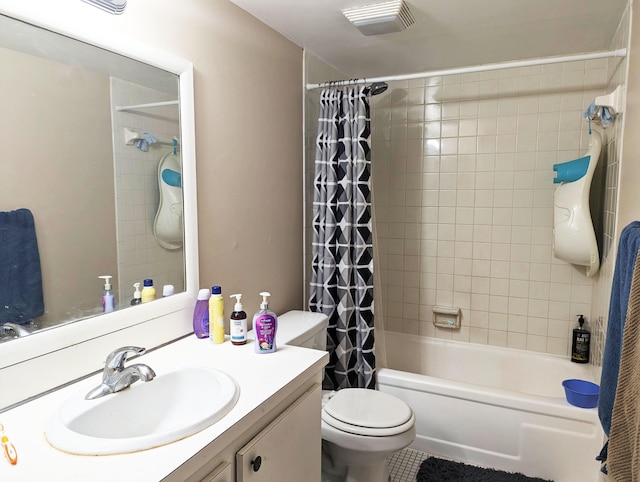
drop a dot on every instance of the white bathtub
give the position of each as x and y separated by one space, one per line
494 407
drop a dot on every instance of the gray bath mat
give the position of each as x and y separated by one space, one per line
439 470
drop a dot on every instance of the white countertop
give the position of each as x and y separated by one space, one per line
259 377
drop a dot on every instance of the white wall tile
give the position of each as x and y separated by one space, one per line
478 216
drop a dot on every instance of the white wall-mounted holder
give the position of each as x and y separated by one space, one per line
131 136
446 317
613 101
574 239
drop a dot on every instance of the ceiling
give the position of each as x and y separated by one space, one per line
447 33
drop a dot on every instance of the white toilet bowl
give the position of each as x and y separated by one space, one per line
360 427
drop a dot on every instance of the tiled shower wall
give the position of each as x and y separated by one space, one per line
463 197
463 200
137 191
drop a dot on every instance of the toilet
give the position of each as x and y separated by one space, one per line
360 427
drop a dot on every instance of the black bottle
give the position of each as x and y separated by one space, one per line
580 343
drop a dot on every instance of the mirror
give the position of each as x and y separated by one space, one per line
92 140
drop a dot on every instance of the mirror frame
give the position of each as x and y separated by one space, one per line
79 348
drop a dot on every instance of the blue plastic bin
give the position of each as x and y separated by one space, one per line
581 393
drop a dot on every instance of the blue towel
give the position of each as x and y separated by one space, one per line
21 297
144 142
621 286
604 113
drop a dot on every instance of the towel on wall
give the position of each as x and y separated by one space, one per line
21 297
593 110
623 458
621 285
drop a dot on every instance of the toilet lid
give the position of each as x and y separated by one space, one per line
359 410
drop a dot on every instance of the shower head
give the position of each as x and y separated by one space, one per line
378 88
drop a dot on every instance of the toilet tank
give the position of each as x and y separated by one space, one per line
303 328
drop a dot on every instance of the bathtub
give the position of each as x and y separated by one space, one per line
494 407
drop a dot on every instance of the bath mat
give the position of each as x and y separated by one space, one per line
439 470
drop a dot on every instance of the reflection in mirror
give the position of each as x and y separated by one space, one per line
92 153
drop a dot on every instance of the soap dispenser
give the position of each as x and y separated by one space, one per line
108 300
137 295
265 325
580 343
238 322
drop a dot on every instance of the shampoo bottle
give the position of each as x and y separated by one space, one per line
108 300
216 315
201 314
148 291
580 343
238 323
265 325
137 295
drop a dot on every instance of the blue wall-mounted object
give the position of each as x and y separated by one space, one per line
571 171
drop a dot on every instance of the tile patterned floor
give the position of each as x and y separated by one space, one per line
404 465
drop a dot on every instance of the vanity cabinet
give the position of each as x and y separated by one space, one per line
282 443
289 448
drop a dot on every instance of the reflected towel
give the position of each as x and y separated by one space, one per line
145 141
21 297
603 112
623 463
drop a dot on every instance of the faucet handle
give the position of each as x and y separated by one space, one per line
115 359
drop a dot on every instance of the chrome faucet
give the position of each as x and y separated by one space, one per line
116 376
19 330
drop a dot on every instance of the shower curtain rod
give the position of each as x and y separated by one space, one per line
476 68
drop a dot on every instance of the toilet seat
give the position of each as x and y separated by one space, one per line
366 412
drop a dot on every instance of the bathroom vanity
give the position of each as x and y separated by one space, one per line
273 428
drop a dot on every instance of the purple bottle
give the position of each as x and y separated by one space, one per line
201 314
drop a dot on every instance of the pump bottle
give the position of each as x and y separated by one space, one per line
108 300
148 292
238 323
216 315
137 295
580 343
265 325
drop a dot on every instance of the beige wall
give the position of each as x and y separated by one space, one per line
248 106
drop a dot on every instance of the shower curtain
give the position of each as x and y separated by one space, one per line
342 248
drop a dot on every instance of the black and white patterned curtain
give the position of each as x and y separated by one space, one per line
342 263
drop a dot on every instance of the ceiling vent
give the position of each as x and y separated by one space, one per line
381 18
115 7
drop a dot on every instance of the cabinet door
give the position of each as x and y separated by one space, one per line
289 448
222 473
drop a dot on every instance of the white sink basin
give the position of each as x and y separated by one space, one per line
177 403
